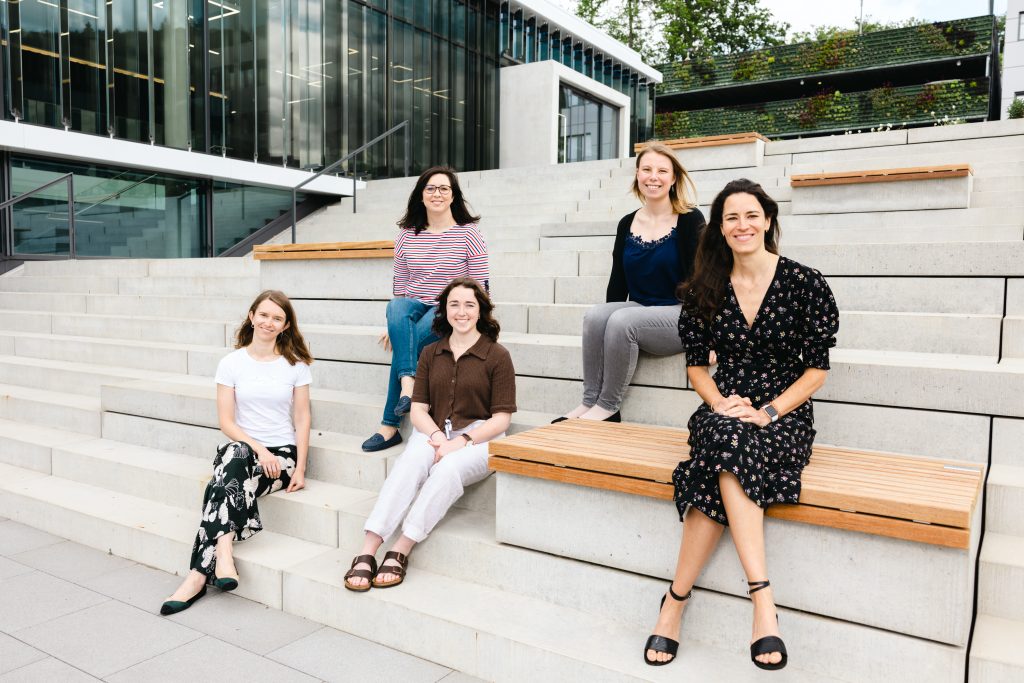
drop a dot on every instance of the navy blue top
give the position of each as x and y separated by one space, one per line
688 228
652 270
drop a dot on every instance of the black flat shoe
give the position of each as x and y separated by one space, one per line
175 606
614 417
377 442
403 406
228 583
661 643
559 419
768 644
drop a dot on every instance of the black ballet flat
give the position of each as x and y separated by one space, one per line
661 643
559 419
614 417
228 583
174 606
768 644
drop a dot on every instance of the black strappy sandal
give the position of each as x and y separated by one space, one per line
661 643
768 644
367 574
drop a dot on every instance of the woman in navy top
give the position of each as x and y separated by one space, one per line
654 251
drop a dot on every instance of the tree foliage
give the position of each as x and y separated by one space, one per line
670 30
818 33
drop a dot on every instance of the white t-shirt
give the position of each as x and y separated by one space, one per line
263 394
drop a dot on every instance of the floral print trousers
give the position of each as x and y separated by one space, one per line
229 504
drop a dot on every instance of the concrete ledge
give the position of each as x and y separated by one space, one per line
927 591
908 195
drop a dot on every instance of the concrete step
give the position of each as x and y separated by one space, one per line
1007 442
116 353
139 529
615 595
43 283
996 655
185 267
30 447
191 400
1005 500
213 308
68 376
248 286
142 328
1013 336
515 638
49 408
1001 576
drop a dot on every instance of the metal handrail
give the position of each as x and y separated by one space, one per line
114 195
68 178
355 166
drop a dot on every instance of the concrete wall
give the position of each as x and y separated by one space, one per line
1013 55
529 134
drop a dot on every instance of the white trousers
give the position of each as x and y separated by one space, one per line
438 486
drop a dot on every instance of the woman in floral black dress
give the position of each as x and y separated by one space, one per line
772 322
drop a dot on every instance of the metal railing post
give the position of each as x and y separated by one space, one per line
294 213
71 216
355 181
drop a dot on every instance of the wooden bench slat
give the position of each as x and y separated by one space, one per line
882 175
325 246
705 141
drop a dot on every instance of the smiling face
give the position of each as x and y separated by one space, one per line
268 321
654 176
437 193
744 224
462 309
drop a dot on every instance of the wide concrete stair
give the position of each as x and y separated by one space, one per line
107 421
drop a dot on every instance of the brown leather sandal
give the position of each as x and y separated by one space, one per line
399 570
367 574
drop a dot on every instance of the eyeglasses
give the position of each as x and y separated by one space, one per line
445 190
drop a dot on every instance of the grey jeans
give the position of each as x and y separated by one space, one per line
613 335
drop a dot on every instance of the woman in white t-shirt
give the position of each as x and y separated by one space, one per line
263 407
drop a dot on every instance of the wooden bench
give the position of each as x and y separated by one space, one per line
915 499
883 175
706 141
324 250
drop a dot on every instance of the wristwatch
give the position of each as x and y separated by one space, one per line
468 438
769 409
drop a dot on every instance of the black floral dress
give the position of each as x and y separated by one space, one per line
793 330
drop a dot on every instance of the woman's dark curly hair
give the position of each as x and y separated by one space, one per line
415 217
486 324
703 293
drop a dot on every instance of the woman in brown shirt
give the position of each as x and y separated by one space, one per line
464 396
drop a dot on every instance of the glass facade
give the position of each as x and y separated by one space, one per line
588 128
525 38
297 83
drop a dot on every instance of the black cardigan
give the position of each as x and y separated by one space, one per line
688 229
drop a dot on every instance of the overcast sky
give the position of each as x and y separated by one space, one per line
803 14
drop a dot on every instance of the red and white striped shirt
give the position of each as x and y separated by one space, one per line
427 262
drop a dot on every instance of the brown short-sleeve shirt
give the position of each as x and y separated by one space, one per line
482 382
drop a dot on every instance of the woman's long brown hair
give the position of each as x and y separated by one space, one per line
290 343
703 293
415 217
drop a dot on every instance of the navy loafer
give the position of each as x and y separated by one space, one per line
377 442
403 406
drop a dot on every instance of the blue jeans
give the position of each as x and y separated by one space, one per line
409 322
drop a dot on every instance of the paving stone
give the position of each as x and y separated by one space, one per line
72 561
204 659
34 598
15 654
333 655
247 624
139 586
9 568
47 670
17 538
459 677
107 638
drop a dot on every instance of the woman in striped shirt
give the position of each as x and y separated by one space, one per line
437 243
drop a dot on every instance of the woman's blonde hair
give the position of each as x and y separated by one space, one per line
682 194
